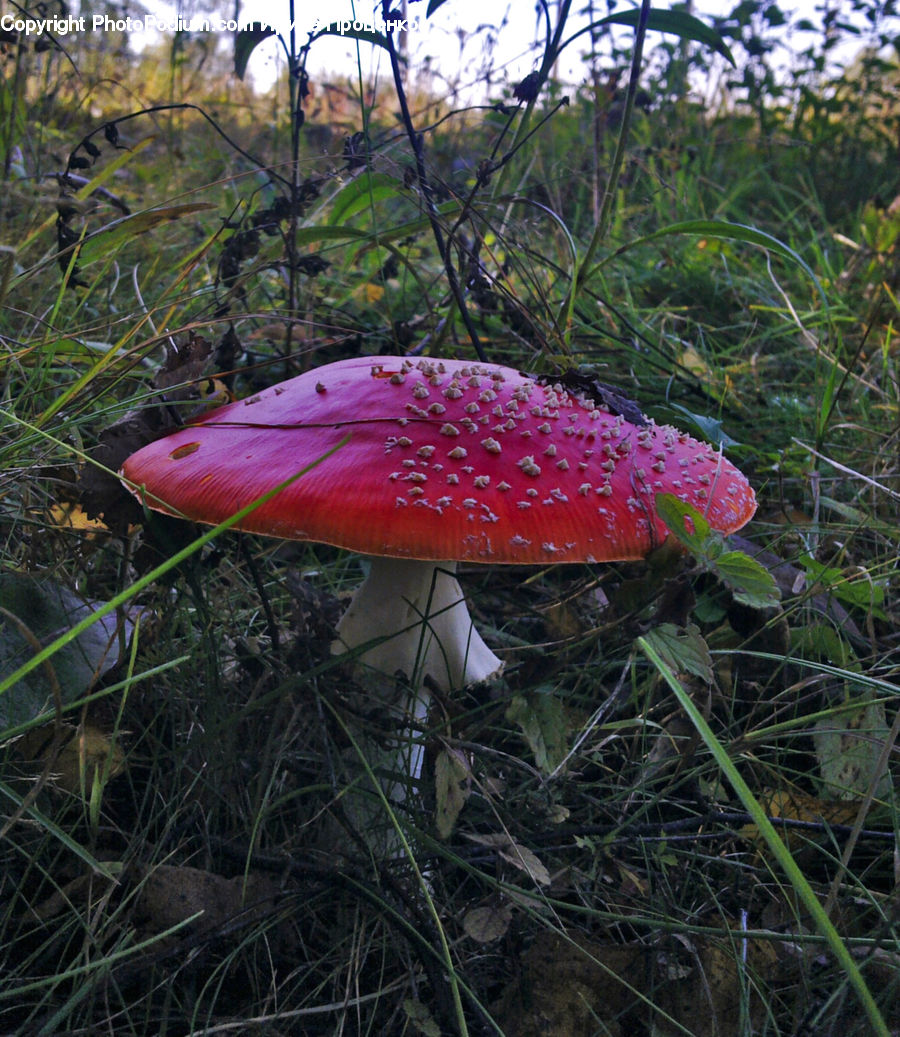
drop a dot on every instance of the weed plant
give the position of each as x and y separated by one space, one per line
676 813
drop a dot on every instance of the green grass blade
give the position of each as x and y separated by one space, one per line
778 849
54 829
728 231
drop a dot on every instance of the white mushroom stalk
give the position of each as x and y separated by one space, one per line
416 612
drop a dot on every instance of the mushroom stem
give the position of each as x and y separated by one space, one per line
420 610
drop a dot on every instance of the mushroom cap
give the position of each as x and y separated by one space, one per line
446 459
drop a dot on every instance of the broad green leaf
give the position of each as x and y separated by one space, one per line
748 580
102 242
861 592
362 192
245 42
710 428
76 347
684 650
381 236
679 23
542 721
685 523
822 642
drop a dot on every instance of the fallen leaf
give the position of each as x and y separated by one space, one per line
87 753
571 986
794 805
73 516
514 853
170 895
420 1018
485 924
541 718
452 782
684 650
848 747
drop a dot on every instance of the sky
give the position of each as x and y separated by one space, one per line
505 28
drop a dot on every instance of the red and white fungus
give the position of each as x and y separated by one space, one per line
447 461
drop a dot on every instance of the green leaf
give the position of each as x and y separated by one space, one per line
862 592
679 23
684 650
246 41
729 232
710 428
747 579
361 193
685 523
542 722
102 242
381 236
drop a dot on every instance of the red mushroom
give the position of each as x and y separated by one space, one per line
447 461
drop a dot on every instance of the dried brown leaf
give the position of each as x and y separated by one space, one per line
488 923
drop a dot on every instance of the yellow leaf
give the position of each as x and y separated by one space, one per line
73 516
794 805
86 754
452 781
369 293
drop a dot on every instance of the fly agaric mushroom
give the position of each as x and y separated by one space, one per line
446 461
